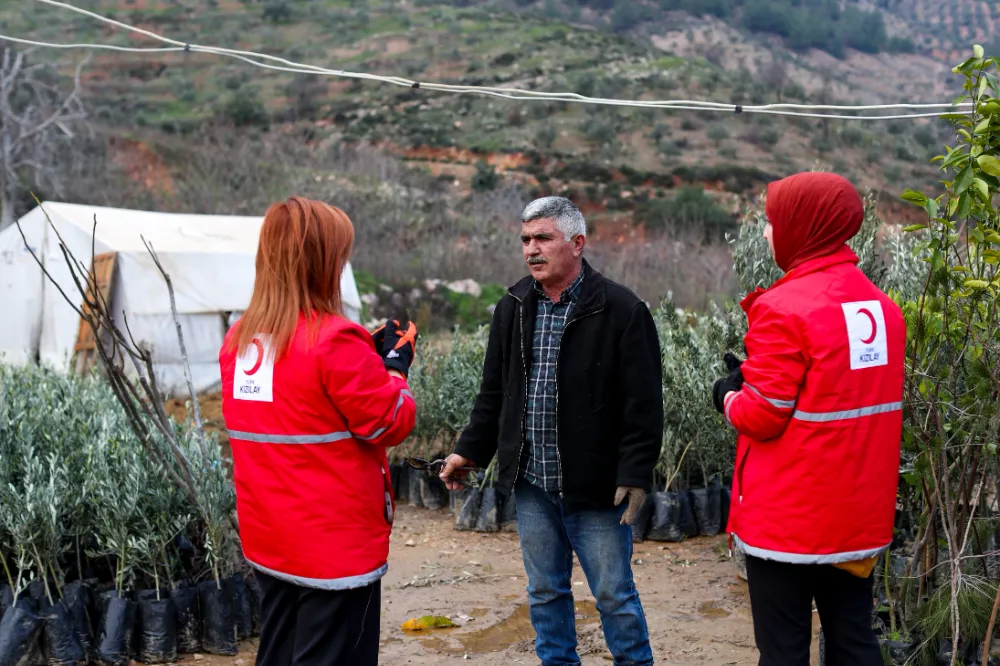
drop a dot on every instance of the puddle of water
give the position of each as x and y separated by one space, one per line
739 588
711 609
498 637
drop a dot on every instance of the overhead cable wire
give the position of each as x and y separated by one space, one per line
255 59
103 47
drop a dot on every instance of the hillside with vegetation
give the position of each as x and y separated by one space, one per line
203 133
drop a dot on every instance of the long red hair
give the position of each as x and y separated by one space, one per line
303 248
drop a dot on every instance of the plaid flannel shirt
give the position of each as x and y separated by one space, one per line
541 464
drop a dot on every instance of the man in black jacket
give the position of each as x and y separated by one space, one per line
571 401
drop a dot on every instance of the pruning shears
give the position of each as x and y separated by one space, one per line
433 466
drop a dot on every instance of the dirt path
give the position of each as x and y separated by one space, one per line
697 609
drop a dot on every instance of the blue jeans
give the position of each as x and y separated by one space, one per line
549 536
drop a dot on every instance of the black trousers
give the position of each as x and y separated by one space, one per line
781 597
301 626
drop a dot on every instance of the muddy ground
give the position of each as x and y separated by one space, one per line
696 607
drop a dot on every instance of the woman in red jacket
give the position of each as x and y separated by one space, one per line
818 408
311 402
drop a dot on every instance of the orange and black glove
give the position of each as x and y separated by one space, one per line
397 345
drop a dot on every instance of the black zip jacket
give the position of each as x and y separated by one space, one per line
610 404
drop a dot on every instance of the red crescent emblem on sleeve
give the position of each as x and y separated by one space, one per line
260 357
871 318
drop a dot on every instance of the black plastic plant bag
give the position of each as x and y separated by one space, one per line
20 629
489 512
188 619
36 590
643 518
725 501
508 514
241 606
433 493
145 594
255 594
76 598
664 525
944 652
34 656
707 506
114 641
95 608
413 493
456 500
59 636
685 516
218 619
28 604
397 473
899 651
158 635
6 599
469 514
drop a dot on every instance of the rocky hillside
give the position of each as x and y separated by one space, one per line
198 132
550 145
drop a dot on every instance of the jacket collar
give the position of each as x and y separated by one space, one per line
591 297
844 255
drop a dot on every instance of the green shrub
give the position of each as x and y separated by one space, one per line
78 488
485 178
718 133
690 209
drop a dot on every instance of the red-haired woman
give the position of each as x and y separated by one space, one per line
818 408
311 401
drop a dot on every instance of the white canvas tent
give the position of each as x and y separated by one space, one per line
210 260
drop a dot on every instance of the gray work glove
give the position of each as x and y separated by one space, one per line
636 496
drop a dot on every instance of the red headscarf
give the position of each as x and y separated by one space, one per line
812 215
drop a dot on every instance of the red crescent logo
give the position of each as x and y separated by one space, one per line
871 318
260 357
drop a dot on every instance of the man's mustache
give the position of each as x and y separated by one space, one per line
534 261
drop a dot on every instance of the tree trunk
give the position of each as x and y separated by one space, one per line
7 185
6 211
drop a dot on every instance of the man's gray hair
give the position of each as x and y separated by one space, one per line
569 219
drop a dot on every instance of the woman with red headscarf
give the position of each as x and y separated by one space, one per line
818 408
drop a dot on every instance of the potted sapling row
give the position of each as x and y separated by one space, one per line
21 625
120 481
156 628
217 504
47 482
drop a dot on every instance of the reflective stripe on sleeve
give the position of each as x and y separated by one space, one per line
728 403
399 403
779 404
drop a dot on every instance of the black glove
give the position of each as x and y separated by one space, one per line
396 345
732 363
732 382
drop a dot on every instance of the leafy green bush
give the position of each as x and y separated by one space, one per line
691 209
718 133
485 178
951 400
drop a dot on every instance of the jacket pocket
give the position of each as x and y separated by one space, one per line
389 510
739 474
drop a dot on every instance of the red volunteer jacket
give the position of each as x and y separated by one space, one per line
819 417
309 436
